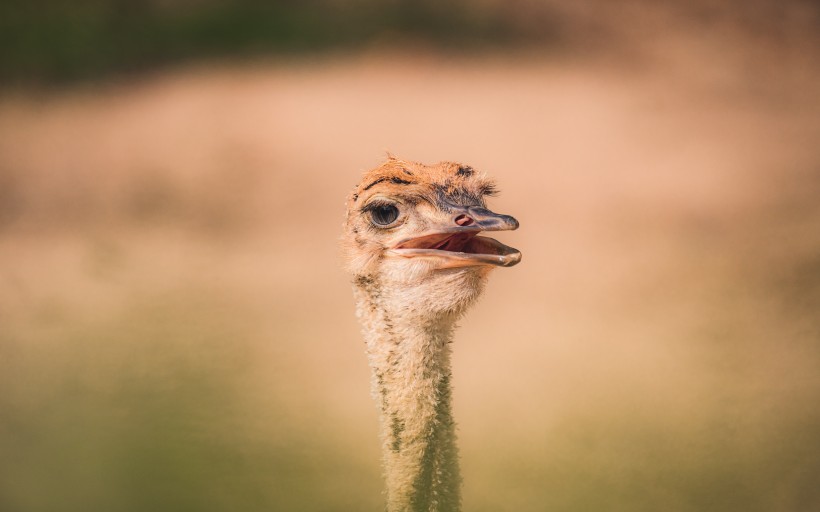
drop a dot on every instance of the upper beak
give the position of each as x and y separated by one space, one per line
484 219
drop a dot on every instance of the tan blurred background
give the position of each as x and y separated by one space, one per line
176 332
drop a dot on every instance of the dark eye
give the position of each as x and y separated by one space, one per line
384 214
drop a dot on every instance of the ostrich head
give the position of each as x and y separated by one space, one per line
414 230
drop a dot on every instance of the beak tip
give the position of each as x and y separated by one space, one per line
513 261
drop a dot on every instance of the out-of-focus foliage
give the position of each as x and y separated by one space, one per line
61 39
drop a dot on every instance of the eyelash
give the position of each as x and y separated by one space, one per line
376 204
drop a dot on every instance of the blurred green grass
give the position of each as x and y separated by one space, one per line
146 409
142 411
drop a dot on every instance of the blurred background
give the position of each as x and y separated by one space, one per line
176 332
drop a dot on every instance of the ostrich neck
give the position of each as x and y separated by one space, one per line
409 355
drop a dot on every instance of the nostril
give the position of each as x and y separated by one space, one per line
464 220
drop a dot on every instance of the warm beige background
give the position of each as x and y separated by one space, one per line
176 332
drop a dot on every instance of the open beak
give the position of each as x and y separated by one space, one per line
458 244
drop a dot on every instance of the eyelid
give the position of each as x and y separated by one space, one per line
379 201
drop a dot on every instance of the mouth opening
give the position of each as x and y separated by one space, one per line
462 248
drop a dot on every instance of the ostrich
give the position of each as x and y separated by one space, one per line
411 240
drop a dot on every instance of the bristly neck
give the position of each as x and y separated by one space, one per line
409 354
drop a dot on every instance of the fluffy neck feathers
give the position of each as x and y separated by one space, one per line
408 341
